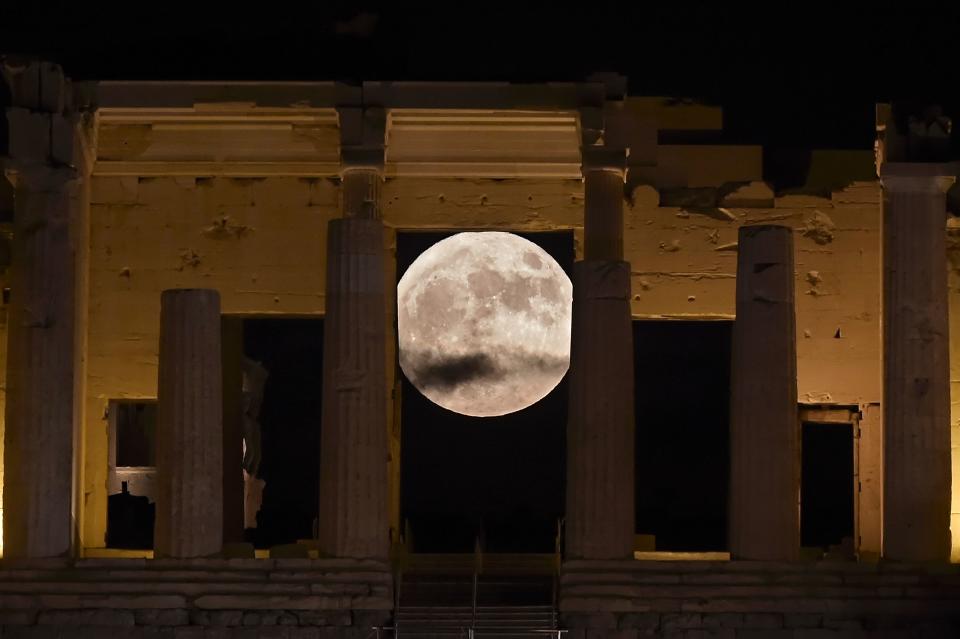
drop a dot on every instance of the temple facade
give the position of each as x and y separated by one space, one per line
150 219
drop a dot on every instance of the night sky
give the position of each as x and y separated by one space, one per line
789 73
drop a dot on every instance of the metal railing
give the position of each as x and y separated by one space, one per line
399 562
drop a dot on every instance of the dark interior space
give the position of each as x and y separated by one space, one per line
499 478
136 433
826 485
682 373
131 516
292 352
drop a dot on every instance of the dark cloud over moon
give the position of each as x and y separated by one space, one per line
484 323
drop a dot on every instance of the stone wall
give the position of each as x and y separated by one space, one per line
198 598
260 242
769 600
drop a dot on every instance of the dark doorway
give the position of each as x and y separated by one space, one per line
500 478
291 350
131 481
682 373
826 486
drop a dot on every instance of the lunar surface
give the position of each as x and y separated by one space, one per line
483 323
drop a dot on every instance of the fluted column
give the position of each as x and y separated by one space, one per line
353 458
764 422
189 502
38 449
600 428
916 367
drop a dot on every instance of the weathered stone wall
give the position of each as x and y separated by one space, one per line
769 600
280 598
260 242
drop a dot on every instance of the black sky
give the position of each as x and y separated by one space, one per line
789 73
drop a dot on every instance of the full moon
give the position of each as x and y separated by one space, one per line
483 321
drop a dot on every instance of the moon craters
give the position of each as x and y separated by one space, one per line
484 323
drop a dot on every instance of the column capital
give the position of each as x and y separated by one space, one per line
362 138
354 159
604 158
918 177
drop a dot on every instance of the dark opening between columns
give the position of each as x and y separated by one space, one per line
499 477
682 377
291 350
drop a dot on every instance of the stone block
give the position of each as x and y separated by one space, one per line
606 620
801 620
604 633
763 620
161 617
273 632
826 633
681 621
842 623
18 617
352 590
289 551
324 617
63 134
239 551
371 618
86 618
188 632
29 141
708 633
722 620
216 617
644 621
31 632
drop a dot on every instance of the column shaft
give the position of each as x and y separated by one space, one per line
764 423
600 431
39 438
189 426
603 215
353 453
361 193
916 371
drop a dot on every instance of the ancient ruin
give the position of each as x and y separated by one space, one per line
199 269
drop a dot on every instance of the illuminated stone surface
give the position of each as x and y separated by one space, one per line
189 521
38 452
600 428
483 322
353 463
764 424
916 366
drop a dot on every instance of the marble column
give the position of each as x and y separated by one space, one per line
764 423
39 435
600 428
916 367
189 426
353 451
